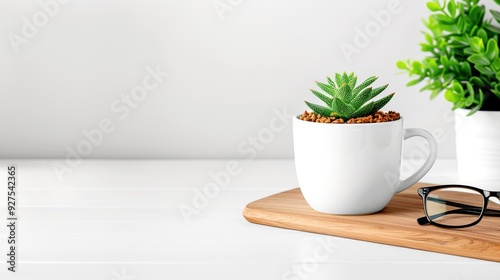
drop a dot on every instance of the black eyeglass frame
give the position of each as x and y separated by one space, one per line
425 191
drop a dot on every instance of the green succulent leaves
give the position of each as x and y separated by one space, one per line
463 58
345 99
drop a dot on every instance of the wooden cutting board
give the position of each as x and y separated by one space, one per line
395 225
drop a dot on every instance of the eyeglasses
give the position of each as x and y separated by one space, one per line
456 206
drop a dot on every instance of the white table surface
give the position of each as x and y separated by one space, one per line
120 220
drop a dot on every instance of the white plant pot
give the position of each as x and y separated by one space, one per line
353 169
478 148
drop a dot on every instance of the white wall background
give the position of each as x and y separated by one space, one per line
229 73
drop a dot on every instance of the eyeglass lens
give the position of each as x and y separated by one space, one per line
454 206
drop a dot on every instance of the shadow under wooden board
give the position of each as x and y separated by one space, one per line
395 225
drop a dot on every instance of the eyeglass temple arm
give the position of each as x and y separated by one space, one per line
466 209
423 220
487 212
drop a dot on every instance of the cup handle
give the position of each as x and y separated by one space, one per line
410 181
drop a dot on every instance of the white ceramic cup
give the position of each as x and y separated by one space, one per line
353 169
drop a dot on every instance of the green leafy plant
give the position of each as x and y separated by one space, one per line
347 100
462 55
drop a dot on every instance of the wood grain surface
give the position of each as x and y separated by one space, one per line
394 225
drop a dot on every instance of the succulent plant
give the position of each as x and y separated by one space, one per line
347 100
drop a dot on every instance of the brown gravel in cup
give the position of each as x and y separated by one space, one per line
378 117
